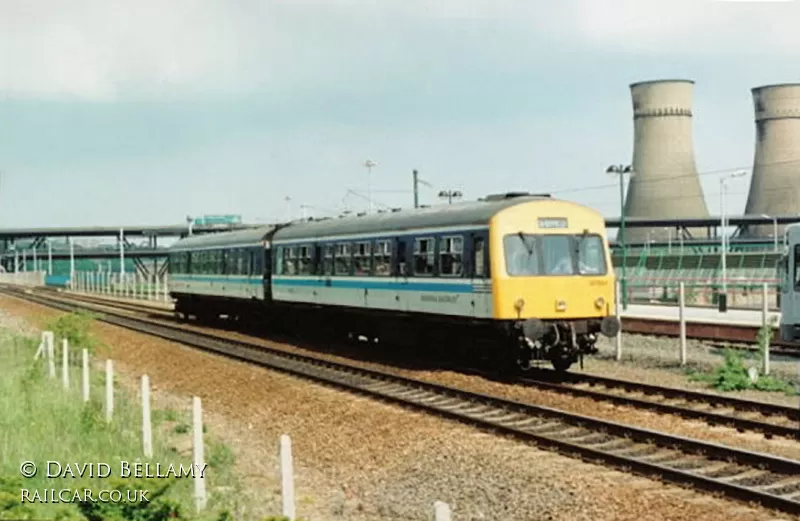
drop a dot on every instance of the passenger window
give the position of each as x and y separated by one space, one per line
289 261
382 258
424 256
451 250
361 258
343 258
304 261
279 252
328 263
478 255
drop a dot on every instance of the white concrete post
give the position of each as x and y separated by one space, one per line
65 363
166 288
682 318
197 442
619 317
42 346
765 323
287 477
85 375
157 290
109 390
71 264
150 286
147 433
51 354
441 511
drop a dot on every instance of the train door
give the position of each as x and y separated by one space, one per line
266 265
789 276
401 271
481 287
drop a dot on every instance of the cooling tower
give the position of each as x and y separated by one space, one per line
665 184
775 186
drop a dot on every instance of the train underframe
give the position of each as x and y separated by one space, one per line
505 346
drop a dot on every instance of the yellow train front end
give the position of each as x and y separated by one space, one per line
553 281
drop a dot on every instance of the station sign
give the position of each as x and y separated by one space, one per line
208 220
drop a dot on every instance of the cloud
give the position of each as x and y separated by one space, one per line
107 50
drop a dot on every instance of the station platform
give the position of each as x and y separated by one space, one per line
700 315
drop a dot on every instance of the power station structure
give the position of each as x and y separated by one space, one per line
775 185
665 182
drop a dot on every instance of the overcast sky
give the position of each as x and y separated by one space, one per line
120 112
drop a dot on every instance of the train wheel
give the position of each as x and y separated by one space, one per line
562 365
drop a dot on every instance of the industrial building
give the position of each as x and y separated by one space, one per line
665 183
775 185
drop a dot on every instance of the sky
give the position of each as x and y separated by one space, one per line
140 113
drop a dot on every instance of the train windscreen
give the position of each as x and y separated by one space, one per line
529 255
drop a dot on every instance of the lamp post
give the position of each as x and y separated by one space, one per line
621 170
369 164
774 229
723 298
450 195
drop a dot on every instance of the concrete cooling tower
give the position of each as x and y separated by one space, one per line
775 186
666 183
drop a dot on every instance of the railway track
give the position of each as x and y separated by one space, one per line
769 480
743 415
717 333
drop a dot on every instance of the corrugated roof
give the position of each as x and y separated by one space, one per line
457 214
249 237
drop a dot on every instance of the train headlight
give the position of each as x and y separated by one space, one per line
561 305
599 302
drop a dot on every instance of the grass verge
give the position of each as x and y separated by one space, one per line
42 422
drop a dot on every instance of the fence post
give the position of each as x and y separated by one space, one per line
42 347
147 432
85 375
287 477
682 318
51 354
65 363
765 324
619 317
441 511
197 442
109 390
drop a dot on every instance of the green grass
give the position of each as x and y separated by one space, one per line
732 375
40 421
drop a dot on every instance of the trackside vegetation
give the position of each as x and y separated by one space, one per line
40 421
733 373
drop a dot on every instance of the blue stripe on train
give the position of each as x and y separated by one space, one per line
377 284
343 284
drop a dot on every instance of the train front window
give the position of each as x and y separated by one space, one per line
543 255
591 255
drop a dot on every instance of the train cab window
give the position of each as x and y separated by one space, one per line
328 261
362 255
557 255
478 252
424 256
591 255
522 255
382 258
304 260
343 258
451 252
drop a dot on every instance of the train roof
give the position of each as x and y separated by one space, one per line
457 214
240 238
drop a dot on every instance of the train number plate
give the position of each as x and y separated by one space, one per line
552 222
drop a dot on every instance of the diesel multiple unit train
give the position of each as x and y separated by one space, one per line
514 278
